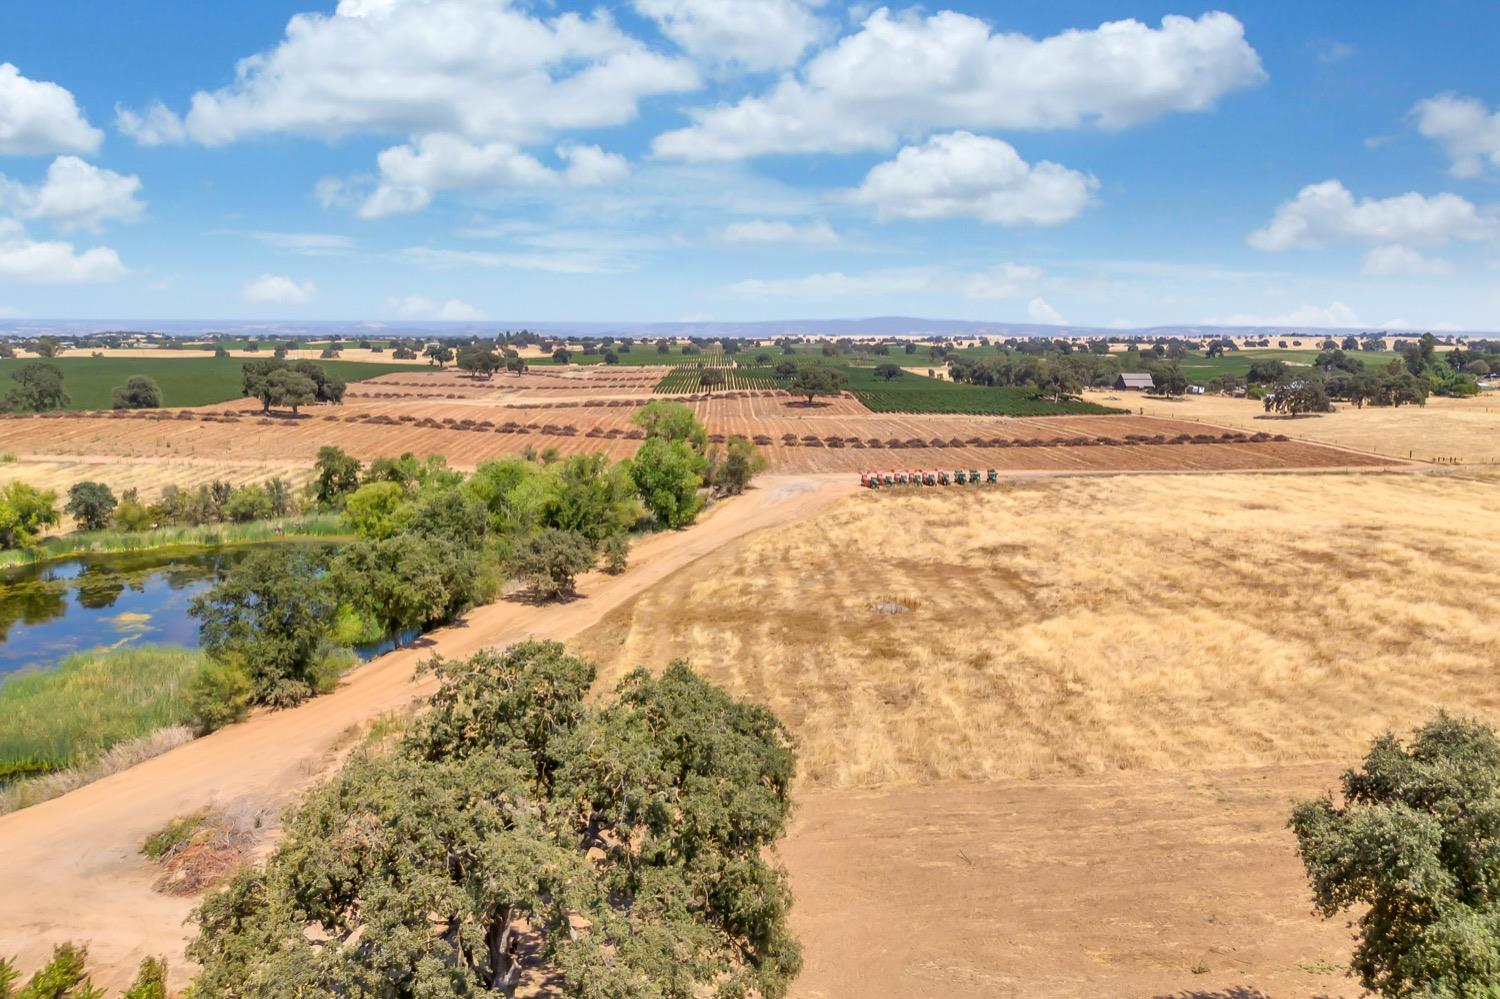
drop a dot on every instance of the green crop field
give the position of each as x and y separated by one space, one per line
909 393
1237 363
184 381
643 355
976 400
689 379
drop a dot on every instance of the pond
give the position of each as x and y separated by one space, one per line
49 610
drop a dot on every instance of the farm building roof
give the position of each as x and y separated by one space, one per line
1135 380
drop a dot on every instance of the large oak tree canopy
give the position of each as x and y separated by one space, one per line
517 831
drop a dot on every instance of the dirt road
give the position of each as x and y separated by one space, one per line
70 868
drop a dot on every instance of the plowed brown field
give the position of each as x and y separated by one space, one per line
589 409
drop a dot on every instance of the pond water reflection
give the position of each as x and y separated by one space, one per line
52 609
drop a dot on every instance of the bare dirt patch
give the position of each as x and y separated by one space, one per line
1181 884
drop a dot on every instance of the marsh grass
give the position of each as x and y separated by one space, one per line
122 756
323 525
72 714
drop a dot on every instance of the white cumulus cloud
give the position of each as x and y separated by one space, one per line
487 70
962 175
24 260
1335 314
817 233
1327 213
1468 132
905 73
423 307
756 34
1007 280
471 82
158 125
1041 312
410 174
75 195
1395 260
37 117
277 289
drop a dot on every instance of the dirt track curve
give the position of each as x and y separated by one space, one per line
70 868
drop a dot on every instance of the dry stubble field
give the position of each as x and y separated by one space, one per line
1054 727
1444 429
590 409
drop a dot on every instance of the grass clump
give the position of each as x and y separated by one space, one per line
171 838
197 850
75 712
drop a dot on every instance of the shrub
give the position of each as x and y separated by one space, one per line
139 392
92 504
338 474
218 695
150 981
39 388
131 515
550 561
671 421
733 472
250 502
271 613
667 474
818 380
24 511
172 837
1415 845
616 554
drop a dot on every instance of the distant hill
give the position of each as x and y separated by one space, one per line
875 326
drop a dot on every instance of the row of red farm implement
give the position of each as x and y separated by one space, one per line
919 477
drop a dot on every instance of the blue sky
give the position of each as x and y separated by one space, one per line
1090 163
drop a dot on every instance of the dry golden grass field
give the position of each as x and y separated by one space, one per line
1444 429
1050 732
148 478
1090 625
